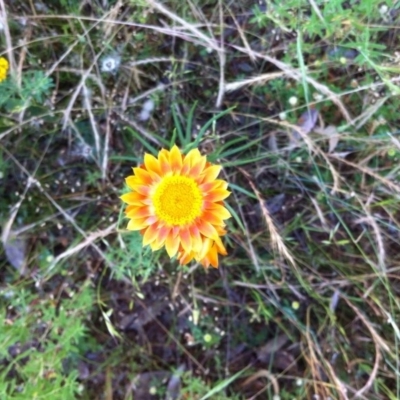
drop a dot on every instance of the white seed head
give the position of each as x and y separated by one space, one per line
153 391
383 9
110 63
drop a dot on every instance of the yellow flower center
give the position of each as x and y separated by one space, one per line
178 200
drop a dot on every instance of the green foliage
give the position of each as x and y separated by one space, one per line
194 387
38 338
131 259
34 88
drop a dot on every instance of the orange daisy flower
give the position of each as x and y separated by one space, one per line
177 202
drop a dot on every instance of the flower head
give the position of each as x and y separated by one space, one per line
3 68
110 63
176 201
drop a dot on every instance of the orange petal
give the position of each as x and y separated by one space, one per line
135 199
209 255
207 230
175 159
129 208
175 231
217 195
221 231
139 212
205 262
154 177
185 258
186 241
171 245
132 180
147 200
152 219
207 187
210 186
142 189
163 158
196 238
207 243
220 184
189 160
185 166
197 167
155 246
211 173
192 156
143 175
162 235
150 234
212 217
221 210
136 224
220 247
152 164
212 256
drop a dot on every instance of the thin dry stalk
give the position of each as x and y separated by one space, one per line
297 76
113 14
172 338
69 218
179 31
104 164
139 128
51 217
27 122
316 365
77 91
312 147
85 74
7 231
256 80
208 42
158 88
368 171
371 220
151 60
31 181
276 239
48 72
320 214
9 45
251 251
22 55
263 373
363 118
88 241
86 94
379 344
222 59
242 35
379 341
